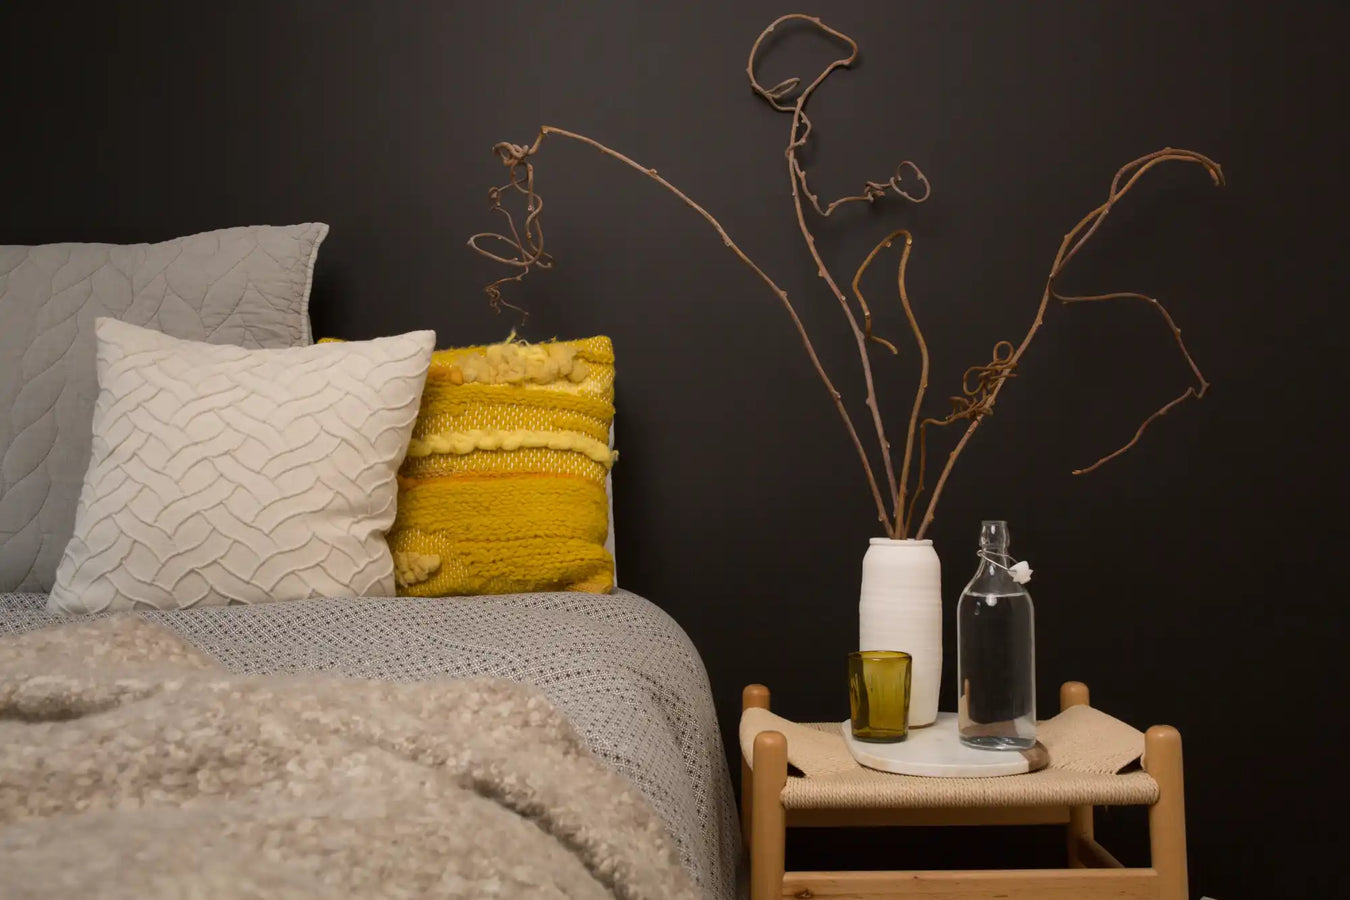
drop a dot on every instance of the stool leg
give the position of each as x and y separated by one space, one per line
768 826
1167 817
755 696
1075 693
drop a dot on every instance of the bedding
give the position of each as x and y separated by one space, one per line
135 768
225 475
618 668
248 286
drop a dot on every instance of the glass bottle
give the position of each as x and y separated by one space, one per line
996 652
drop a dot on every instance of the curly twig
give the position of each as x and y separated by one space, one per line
903 518
516 155
1191 391
901 524
797 137
529 251
980 384
857 288
1074 241
872 190
977 401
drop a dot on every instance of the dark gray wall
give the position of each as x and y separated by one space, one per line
1190 582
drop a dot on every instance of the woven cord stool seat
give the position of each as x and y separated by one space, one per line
1094 761
1087 748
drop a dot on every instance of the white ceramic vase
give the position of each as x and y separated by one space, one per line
901 609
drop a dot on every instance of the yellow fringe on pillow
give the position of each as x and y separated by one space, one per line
512 362
462 442
414 568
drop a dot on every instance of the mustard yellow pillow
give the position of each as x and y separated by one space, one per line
503 488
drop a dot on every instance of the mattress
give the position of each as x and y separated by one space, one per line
618 667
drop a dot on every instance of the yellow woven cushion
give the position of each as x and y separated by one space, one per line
503 489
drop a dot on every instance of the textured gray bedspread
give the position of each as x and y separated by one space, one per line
617 666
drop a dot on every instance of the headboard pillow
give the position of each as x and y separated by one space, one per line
226 475
246 286
504 487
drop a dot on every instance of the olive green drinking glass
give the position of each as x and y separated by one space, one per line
878 694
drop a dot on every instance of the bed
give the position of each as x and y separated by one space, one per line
625 677
621 670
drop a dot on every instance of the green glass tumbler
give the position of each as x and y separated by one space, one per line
878 694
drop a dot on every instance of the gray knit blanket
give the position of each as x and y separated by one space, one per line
619 668
132 765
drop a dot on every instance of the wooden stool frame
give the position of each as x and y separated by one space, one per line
1093 873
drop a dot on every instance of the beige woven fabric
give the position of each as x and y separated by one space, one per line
1083 739
1087 748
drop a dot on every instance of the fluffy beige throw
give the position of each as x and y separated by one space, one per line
132 766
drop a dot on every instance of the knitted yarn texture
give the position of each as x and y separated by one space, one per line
503 488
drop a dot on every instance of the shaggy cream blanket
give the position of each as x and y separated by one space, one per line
133 766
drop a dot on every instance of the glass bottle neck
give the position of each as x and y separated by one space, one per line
994 537
993 552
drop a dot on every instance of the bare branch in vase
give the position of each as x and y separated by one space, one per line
1192 391
1074 241
798 135
518 156
522 248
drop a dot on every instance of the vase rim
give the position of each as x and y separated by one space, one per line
901 542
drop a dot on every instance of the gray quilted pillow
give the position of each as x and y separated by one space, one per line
247 286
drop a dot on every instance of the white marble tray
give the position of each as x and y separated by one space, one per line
937 752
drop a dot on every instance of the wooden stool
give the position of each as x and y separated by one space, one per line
1093 872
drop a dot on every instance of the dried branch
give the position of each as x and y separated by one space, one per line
529 252
902 520
857 287
980 384
798 135
1074 241
901 524
514 156
872 190
976 401
923 465
1191 391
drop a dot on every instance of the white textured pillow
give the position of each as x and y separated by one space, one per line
248 286
225 475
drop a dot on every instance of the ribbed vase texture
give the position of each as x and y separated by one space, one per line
901 609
